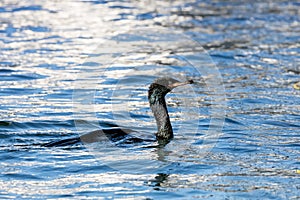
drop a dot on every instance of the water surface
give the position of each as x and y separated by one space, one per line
48 49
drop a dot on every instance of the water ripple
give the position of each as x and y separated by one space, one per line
44 46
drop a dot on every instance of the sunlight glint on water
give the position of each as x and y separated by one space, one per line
44 46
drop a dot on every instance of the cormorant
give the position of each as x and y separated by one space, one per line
156 96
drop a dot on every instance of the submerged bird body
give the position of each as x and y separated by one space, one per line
156 97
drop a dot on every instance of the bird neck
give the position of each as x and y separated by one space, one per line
160 112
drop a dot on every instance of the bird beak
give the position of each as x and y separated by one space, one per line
174 85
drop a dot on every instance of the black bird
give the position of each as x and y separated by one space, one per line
156 96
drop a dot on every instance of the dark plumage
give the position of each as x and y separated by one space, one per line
156 96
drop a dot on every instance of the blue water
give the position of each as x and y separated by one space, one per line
67 68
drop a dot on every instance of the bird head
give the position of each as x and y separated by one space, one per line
161 86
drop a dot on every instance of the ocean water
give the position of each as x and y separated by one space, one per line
71 67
